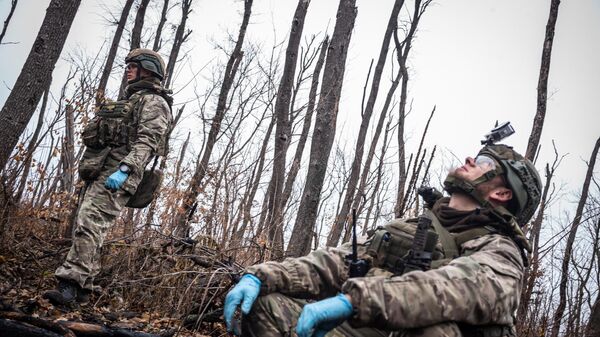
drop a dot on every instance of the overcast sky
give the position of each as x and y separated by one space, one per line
478 61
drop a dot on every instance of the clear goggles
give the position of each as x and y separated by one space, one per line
484 161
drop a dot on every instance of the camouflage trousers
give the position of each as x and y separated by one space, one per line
277 315
97 213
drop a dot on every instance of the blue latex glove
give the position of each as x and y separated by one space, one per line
319 318
116 180
245 292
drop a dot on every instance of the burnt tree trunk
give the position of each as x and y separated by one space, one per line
360 192
235 58
112 52
68 151
283 131
161 23
338 225
136 32
312 97
403 49
564 278
180 37
542 90
13 5
35 75
33 144
325 125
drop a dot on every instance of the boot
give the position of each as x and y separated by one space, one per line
67 294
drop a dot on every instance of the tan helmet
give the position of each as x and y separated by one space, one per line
148 59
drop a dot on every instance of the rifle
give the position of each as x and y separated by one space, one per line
420 255
356 267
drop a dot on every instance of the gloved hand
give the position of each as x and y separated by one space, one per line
245 292
317 319
116 180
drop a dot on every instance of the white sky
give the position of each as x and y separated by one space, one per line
478 61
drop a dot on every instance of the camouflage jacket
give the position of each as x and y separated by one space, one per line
480 287
150 117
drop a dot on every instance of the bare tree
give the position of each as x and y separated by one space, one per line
36 73
33 144
312 97
403 49
180 36
562 301
324 132
13 5
136 31
283 130
338 226
161 23
542 90
532 273
201 166
112 52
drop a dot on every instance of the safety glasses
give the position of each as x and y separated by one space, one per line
485 162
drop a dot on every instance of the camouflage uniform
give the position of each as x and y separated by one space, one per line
100 206
481 287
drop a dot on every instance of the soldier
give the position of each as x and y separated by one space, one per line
120 141
472 289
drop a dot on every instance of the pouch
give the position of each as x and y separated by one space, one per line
145 192
92 162
91 134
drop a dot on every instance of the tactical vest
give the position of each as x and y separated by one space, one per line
115 124
389 245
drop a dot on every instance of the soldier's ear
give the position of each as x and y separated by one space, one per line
500 195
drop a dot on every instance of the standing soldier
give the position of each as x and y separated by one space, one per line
471 286
120 141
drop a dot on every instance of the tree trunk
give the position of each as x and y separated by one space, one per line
68 151
136 32
159 28
338 225
360 192
403 49
325 125
283 131
542 90
13 5
564 278
180 37
593 326
33 144
312 97
35 75
230 71
112 52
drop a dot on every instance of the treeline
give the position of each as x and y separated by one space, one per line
267 178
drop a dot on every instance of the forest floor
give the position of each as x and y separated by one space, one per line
155 285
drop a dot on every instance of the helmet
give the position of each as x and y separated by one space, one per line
519 174
149 60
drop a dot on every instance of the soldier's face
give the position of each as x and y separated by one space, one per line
474 168
131 71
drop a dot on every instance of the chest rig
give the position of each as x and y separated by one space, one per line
395 248
114 125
